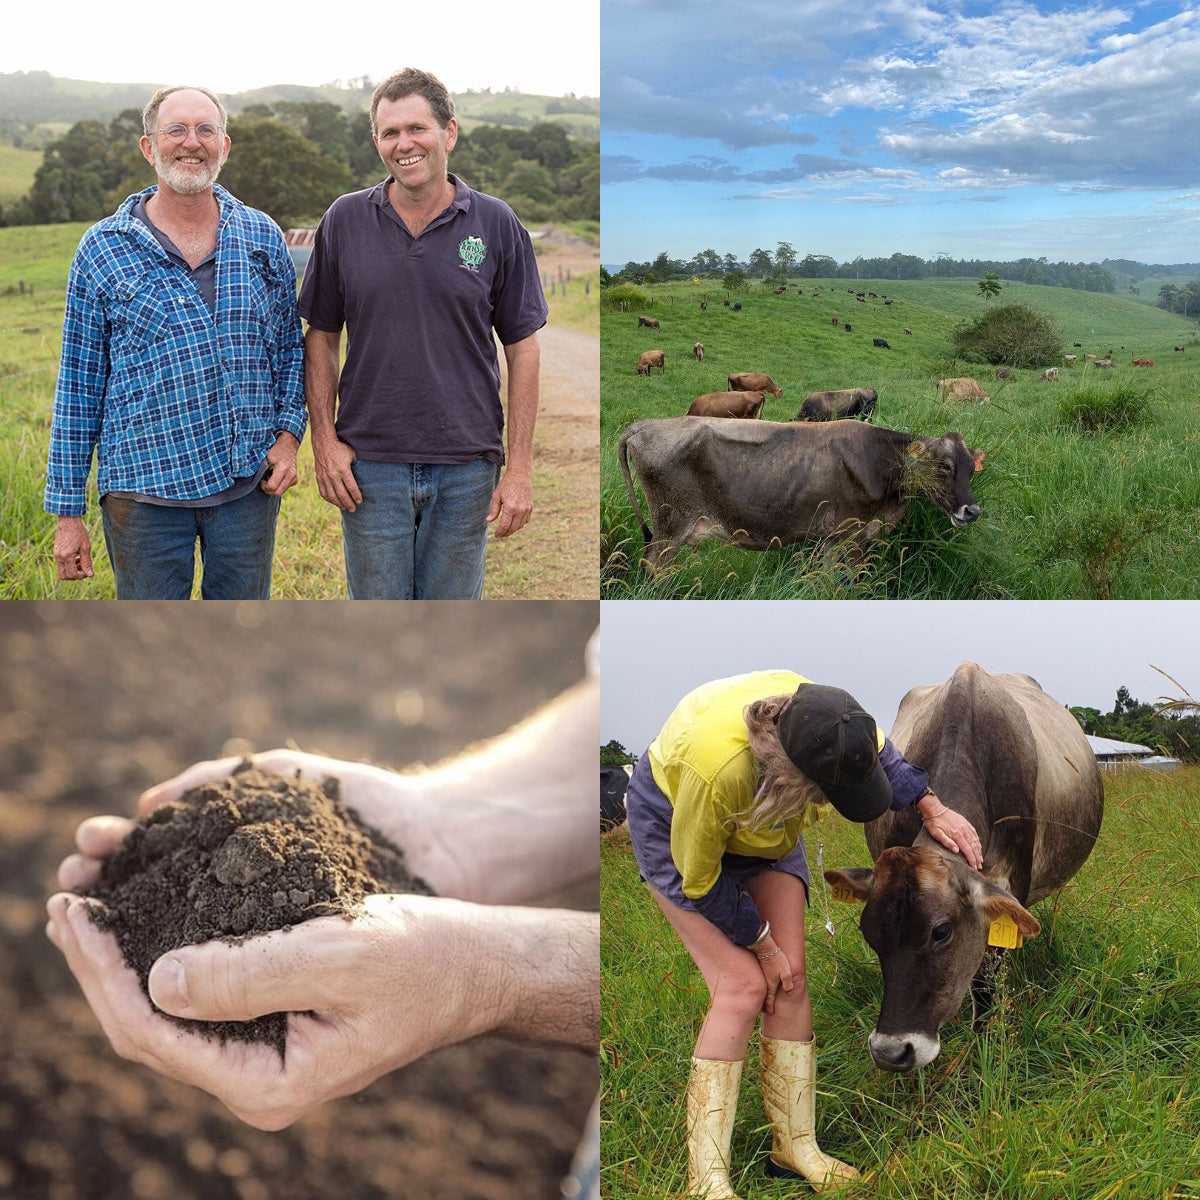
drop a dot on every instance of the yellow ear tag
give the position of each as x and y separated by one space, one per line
844 892
1003 931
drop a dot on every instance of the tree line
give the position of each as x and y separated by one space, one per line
1174 733
1184 300
293 159
785 263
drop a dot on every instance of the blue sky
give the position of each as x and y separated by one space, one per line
990 130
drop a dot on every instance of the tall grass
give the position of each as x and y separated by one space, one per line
1043 478
1085 1084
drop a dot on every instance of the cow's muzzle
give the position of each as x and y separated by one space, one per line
964 516
902 1051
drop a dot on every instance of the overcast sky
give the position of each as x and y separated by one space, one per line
539 46
997 129
653 652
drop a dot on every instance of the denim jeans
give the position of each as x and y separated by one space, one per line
153 548
420 532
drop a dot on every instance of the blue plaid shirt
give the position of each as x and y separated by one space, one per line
179 403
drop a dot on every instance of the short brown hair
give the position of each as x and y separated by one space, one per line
150 112
411 82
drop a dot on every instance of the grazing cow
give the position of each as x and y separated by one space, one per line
835 320
963 389
846 326
1070 358
764 484
1105 363
703 305
726 303
745 406
1143 362
698 351
881 343
737 307
1178 349
1077 345
1016 764
887 303
906 328
753 381
833 406
1051 373
649 322
1005 373
872 296
780 291
648 359
861 299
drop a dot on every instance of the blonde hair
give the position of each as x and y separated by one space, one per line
784 791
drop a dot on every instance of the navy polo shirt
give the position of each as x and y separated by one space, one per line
422 380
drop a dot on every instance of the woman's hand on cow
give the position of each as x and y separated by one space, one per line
776 970
952 830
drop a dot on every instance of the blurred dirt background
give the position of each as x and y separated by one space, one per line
97 702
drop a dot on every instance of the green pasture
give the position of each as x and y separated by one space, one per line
17 169
308 545
1067 512
1085 1084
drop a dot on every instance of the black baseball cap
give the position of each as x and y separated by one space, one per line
826 733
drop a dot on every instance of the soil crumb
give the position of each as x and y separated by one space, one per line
251 854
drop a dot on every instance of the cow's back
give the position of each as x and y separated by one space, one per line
1042 786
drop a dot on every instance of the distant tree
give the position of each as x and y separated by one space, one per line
605 277
734 281
817 266
785 260
729 262
989 287
613 754
77 173
1013 334
760 263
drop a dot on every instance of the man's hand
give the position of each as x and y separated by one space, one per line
335 479
512 501
282 473
73 549
365 996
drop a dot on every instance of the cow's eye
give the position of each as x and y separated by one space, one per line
941 933
947 467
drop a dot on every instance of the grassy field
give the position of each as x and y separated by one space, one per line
308 548
1067 513
17 169
1085 1085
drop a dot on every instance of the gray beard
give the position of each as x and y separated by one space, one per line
186 183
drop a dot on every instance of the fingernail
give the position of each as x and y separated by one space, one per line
168 985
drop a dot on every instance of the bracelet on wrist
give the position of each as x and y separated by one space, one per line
763 934
932 816
769 954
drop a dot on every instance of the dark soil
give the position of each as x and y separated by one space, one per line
101 700
251 854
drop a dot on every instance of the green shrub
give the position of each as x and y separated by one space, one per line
1013 334
625 293
1096 410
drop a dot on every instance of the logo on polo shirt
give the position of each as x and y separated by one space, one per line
472 251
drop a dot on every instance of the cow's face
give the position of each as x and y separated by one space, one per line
941 469
926 916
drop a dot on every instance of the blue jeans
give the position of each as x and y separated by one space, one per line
153 549
420 532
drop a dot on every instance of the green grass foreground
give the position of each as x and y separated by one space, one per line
1085 1085
1078 500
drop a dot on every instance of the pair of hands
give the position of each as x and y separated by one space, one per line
512 501
73 545
366 995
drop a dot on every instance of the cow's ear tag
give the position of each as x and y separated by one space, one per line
844 892
1003 931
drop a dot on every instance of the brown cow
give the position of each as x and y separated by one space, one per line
648 359
698 351
834 406
1005 373
649 322
1143 362
1016 765
765 484
964 389
739 405
753 381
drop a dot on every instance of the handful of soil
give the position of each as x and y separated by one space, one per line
248 855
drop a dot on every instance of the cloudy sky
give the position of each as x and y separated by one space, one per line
538 46
653 652
995 129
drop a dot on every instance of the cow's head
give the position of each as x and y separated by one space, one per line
927 917
941 469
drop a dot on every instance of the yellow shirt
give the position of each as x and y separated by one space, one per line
703 763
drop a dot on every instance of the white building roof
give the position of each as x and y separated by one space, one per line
1107 747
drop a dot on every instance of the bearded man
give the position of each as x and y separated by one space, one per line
183 368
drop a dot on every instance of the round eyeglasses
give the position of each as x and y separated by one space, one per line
206 131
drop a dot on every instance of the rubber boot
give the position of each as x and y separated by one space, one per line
712 1096
789 1084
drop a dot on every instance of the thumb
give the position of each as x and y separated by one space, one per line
85 555
494 511
220 981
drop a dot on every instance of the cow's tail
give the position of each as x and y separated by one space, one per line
623 454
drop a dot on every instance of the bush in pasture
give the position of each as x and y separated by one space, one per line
1013 334
1097 410
627 294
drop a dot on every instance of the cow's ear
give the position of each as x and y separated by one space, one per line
852 884
978 456
916 449
995 902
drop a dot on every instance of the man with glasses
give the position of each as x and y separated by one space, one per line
424 273
182 367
